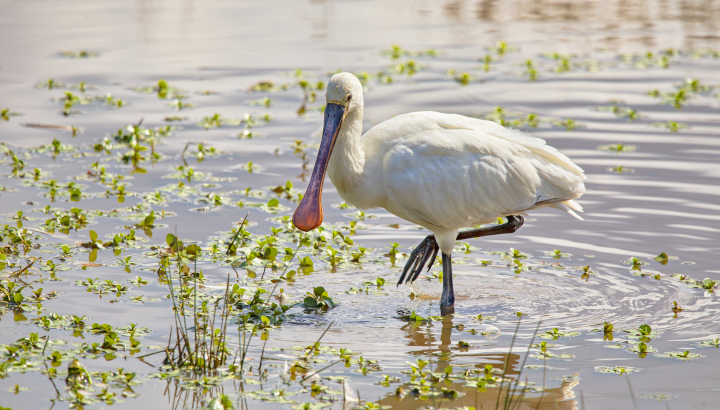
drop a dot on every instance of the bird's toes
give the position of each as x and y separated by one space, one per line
426 250
408 267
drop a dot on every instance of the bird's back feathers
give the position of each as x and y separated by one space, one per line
448 171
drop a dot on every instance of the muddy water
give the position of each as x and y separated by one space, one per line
666 202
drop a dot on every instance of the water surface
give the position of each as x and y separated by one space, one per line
663 199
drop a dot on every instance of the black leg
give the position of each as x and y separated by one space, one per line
428 248
513 224
447 301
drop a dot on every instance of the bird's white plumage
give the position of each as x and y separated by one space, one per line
447 171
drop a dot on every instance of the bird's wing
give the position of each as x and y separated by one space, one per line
536 145
452 171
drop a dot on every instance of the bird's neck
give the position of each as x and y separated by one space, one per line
347 161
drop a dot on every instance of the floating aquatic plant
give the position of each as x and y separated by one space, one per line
79 54
617 369
617 148
672 126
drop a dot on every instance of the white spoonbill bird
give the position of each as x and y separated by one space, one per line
441 171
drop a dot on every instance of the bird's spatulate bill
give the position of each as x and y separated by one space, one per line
309 213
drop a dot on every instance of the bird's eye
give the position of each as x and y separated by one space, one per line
349 97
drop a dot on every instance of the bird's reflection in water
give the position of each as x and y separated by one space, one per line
444 355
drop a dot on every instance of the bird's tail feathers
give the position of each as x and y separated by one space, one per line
570 207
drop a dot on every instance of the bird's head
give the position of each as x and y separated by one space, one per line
344 95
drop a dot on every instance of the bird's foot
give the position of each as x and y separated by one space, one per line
427 250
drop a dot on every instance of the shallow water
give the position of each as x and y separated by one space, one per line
668 202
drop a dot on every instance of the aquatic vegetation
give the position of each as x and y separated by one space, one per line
556 333
173 118
641 349
519 119
70 100
395 52
671 126
267 86
643 333
563 61
620 111
94 218
309 90
216 121
265 102
569 124
530 70
617 369
5 114
162 89
621 170
318 299
685 355
713 343
706 284
557 254
486 63
663 258
179 104
617 148
676 308
79 54
513 254
50 84
648 59
409 67
461 78
501 48
690 88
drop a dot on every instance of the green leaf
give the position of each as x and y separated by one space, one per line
662 258
170 239
273 203
270 253
93 236
193 250
319 291
149 220
309 302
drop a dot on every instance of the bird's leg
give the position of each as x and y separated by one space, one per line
427 250
447 301
513 224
